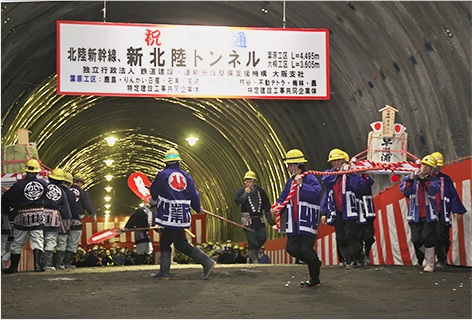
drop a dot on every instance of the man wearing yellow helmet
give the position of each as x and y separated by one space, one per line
339 207
302 215
449 206
68 178
420 187
253 202
175 192
27 196
56 210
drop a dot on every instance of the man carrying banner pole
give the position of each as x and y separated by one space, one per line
175 193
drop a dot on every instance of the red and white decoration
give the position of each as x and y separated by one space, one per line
392 232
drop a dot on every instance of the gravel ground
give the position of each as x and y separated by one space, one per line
238 291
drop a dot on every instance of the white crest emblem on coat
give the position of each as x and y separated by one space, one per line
54 192
33 190
177 181
77 194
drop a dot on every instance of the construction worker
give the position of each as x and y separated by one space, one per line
302 217
449 206
175 192
365 222
263 258
240 257
253 201
142 217
83 202
27 197
339 206
69 179
56 209
421 189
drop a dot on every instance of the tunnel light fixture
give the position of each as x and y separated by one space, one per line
109 162
192 141
107 206
108 189
107 211
108 177
107 199
111 141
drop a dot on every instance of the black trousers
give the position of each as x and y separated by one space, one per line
443 242
424 233
176 236
346 238
365 236
301 246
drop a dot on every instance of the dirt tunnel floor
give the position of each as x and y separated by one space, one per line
238 291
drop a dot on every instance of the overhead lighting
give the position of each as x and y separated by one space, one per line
109 162
107 199
111 141
192 141
108 189
108 206
107 211
109 177
141 204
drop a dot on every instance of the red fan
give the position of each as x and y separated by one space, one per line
139 184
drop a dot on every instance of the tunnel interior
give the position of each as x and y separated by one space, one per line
414 56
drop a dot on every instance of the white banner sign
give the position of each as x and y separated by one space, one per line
118 59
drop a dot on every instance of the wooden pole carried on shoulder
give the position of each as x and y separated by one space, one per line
219 217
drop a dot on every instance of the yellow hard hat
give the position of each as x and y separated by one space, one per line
57 174
439 158
336 154
32 166
79 177
68 177
295 156
171 155
346 156
430 161
250 175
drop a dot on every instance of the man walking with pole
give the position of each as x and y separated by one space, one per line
175 193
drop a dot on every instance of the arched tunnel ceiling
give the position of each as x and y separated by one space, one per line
395 53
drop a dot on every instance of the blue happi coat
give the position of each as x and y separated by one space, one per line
431 206
449 201
175 193
365 203
308 207
351 185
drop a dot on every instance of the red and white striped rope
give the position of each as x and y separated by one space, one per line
376 166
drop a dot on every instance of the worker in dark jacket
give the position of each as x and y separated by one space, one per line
253 201
142 217
27 197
